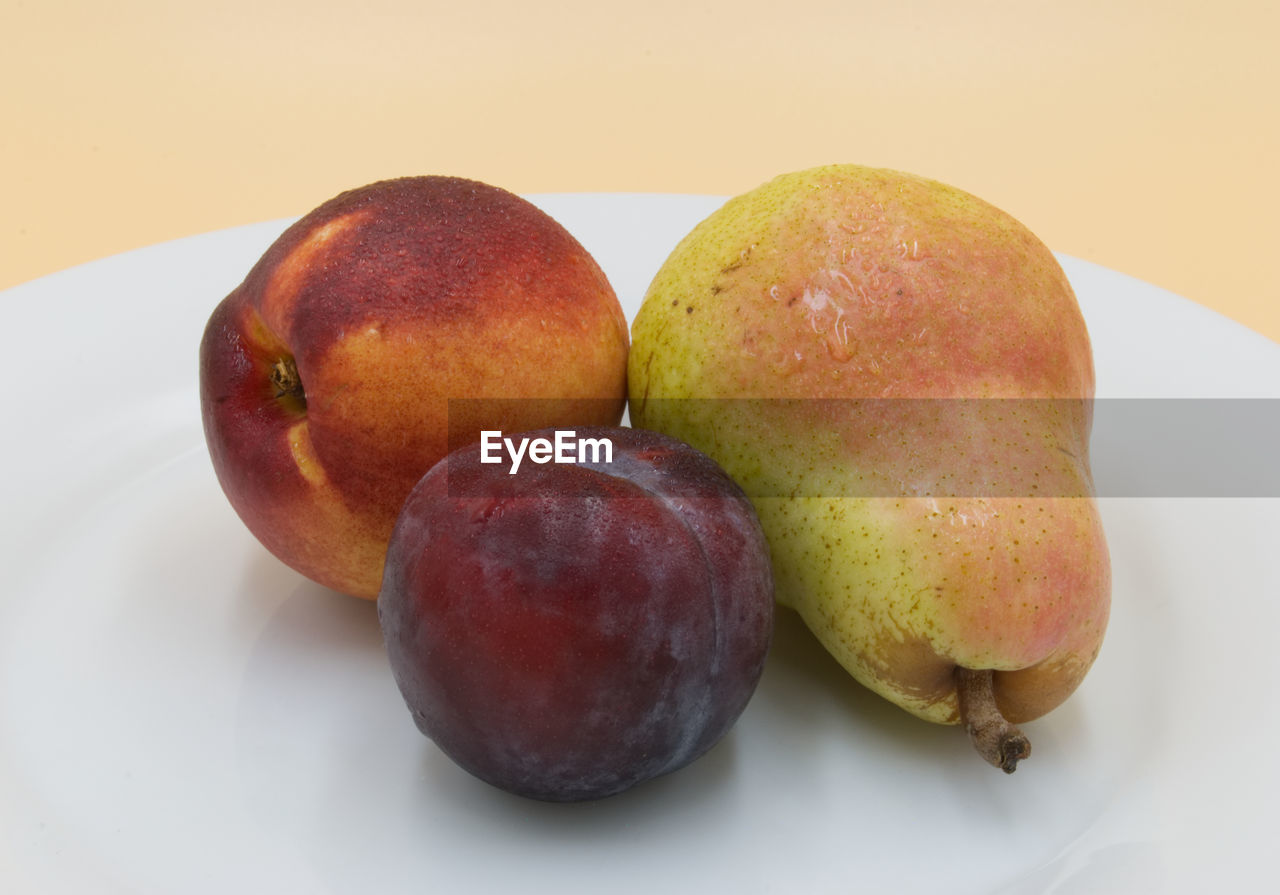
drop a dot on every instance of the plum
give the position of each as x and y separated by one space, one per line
567 630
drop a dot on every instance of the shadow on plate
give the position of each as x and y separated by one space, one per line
805 688
303 615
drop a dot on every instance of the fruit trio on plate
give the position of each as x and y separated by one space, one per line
859 392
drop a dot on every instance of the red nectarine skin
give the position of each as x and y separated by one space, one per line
375 310
570 631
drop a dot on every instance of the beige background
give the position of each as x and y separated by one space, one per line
1144 136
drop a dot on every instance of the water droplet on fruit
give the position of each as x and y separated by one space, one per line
838 342
787 363
483 511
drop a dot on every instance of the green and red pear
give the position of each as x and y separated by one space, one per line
899 375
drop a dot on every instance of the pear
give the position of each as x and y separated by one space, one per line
899 376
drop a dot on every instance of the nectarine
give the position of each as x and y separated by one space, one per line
326 376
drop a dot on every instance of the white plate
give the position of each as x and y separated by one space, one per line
181 713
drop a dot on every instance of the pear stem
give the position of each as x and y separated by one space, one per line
996 740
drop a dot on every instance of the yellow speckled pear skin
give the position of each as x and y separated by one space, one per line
875 356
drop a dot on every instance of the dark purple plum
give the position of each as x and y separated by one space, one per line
571 630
